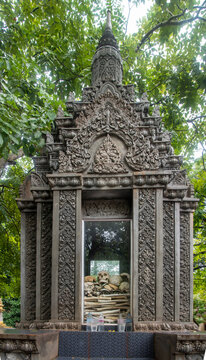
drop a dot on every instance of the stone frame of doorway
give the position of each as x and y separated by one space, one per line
84 219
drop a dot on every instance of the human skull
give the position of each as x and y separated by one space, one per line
103 275
88 288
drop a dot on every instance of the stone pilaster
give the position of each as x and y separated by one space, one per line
185 269
43 260
28 260
169 261
66 256
147 255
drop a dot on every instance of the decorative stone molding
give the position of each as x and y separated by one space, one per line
151 179
26 205
190 346
63 181
108 182
189 204
41 194
166 326
18 346
175 192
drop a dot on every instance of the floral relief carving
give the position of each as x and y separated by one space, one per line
185 266
46 247
30 266
147 260
67 249
168 260
115 207
108 158
109 115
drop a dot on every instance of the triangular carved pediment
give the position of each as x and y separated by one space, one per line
108 159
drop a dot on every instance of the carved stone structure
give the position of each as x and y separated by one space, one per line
108 148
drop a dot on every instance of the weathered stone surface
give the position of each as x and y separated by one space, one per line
28 345
118 159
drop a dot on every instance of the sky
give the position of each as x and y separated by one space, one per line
135 14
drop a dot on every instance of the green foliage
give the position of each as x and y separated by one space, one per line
11 314
46 49
199 311
10 228
198 178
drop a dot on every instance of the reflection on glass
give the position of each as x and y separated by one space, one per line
112 266
107 269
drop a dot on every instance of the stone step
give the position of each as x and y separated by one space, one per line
105 345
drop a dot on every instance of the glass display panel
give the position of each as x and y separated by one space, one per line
107 269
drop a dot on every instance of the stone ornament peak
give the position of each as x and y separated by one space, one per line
108 36
107 61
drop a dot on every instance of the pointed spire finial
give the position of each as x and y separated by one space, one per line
109 21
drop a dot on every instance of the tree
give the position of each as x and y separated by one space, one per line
10 228
46 52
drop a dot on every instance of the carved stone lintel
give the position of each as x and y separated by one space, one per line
101 208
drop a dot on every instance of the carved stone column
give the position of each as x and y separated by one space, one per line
186 268
169 261
66 256
147 255
44 248
28 259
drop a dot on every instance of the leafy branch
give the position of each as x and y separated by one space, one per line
173 21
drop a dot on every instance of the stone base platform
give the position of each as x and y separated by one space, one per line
28 344
81 345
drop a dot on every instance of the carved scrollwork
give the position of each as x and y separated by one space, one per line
30 266
185 266
46 246
168 261
143 155
109 115
38 180
147 255
67 241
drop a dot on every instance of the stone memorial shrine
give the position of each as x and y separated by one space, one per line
107 197
107 222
